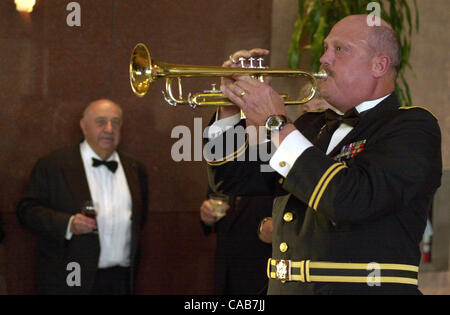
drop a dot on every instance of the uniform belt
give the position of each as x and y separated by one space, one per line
315 271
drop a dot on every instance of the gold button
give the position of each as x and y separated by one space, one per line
283 247
282 164
281 180
288 217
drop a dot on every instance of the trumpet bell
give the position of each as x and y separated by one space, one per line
141 70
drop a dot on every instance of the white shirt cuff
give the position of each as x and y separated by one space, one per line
222 125
287 153
68 233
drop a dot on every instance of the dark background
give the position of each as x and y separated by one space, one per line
49 72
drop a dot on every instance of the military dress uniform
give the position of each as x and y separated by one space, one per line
350 221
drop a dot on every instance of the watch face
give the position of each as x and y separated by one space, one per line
274 122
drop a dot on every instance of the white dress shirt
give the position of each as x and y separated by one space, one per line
111 197
221 125
295 143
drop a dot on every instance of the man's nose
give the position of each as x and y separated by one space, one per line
108 126
326 58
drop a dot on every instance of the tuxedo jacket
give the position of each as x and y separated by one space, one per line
364 203
56 191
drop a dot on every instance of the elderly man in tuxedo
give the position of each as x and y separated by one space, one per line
79 254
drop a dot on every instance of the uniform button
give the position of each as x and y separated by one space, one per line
288 217
281 180
282 164
283 247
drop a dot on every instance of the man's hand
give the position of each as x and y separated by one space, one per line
82 224
233 62
257 99
207 214
265 231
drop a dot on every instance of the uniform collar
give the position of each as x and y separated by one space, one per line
364 106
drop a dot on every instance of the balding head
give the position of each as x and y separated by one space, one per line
361 61
101 124
384 40
381 39
100 102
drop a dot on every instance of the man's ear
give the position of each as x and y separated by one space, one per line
381 65
83 126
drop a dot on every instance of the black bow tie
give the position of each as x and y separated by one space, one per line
333 120
111 165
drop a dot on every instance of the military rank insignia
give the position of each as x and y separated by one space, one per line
350 150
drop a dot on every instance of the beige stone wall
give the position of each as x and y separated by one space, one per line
430 61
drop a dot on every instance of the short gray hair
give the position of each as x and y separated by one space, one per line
383 39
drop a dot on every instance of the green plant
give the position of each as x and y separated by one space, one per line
316 18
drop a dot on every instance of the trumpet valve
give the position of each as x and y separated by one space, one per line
242 60
251 63
251 66
260 61
213 89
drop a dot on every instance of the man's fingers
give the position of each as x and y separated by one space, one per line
234 59
233 94
258 52
254 52
82 219
82 224
207 209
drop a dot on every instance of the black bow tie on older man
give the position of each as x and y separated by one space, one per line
111 165
333 120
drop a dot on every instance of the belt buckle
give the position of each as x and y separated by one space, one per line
283 270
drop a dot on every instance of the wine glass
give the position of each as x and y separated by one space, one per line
219 202
88 209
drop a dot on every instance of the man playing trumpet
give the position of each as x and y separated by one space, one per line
354 189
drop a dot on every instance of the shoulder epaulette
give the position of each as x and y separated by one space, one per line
420 107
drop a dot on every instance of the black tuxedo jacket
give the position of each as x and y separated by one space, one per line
365 202
56 191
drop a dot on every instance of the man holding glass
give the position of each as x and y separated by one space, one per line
81 254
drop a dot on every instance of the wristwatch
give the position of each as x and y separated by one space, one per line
275 123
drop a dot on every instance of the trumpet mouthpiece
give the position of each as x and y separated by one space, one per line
322 74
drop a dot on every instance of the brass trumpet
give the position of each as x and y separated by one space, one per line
144 71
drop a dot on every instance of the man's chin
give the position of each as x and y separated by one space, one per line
106 142
108 146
